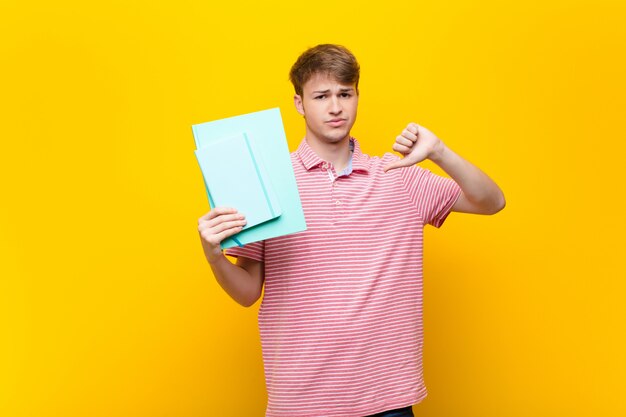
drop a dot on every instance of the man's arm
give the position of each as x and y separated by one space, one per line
480 194
243 282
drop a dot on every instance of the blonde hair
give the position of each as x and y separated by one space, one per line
334 60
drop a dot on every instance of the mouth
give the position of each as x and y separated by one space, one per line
336 122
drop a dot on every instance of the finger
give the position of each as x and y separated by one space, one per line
215 212
401 148
224 218
218 211
404 162
227 225
413 128
216 239
216 225
404 141
406 133
228 233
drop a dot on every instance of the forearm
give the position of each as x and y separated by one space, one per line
239 284
478 188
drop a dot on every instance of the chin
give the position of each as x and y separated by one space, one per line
337 136
335 139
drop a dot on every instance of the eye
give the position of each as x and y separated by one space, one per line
345 94
319 97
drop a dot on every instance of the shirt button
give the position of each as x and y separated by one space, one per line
338 202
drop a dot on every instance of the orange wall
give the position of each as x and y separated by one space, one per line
107 306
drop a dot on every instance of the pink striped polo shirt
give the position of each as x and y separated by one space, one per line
341 316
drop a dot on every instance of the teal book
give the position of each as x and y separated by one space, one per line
235 176
245 164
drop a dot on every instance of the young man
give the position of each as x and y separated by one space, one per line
341 316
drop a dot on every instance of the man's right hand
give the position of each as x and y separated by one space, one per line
217 225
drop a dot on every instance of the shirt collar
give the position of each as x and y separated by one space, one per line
310 159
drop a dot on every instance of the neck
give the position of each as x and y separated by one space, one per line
337 153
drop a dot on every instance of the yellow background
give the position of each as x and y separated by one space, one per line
107 305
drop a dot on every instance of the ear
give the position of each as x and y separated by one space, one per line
297 101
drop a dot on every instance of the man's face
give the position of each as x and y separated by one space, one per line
328 107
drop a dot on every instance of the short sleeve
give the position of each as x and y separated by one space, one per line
431 194
254 250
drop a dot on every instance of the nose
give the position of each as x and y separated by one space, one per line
335 105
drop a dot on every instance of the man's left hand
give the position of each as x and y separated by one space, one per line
416 143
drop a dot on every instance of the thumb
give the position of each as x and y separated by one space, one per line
401 163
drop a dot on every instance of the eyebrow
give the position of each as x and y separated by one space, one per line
341 89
